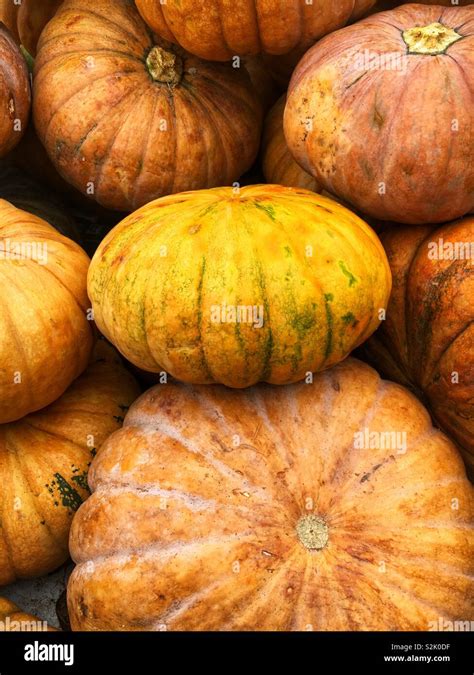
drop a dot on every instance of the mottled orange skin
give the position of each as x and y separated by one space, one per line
15 96
370 136
45 336
122 137
278 164
192 520
314 271
218 30
62 439
429 331
8 610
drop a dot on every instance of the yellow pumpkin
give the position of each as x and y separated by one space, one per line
45 335
326 506
44 459
263 283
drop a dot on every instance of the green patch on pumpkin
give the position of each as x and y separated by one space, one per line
352 279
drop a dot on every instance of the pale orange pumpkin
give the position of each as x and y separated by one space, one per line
13 619
331 505
45 335
44 459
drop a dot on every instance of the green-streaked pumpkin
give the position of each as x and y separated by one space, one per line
264 283
44 459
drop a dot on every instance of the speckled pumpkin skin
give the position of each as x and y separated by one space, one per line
316 272
11 615
361 131
429 332
124 138
218 30
196 505
45 336
44 459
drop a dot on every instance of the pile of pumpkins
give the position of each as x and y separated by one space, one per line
270 479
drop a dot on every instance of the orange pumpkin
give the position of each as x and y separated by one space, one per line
13 619
218 31
15 97
45 335
278 164
275 508
126 126
357 111
44 459
26 19
427 340
262 283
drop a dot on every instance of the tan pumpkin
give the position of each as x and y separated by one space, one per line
427 340
26 19
15 97
268 509
45 335
13 619
132 124
278 164
359 114
236 286
218 31
44 459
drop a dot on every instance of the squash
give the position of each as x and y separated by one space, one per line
26 19
15 96
357 110
126 126
323 506
20 190
44 459
262 283
218 31
45 335
13 619
427 340
278 164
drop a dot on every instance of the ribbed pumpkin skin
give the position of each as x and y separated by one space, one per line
44 459
429 331
218 30
159 280
370 143
15 97
9 611
45 337
109 127
189 529
278 164
27 19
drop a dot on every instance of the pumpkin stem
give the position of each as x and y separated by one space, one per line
164 66
432 39
312 532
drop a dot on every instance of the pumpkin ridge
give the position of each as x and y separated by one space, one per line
450 345
144 152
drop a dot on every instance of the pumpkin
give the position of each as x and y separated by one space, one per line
20 190
13 619
266 509
427 340
357 110
45 335
218 31
239 285
15 97
26 19
126 126
278 164
44 459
